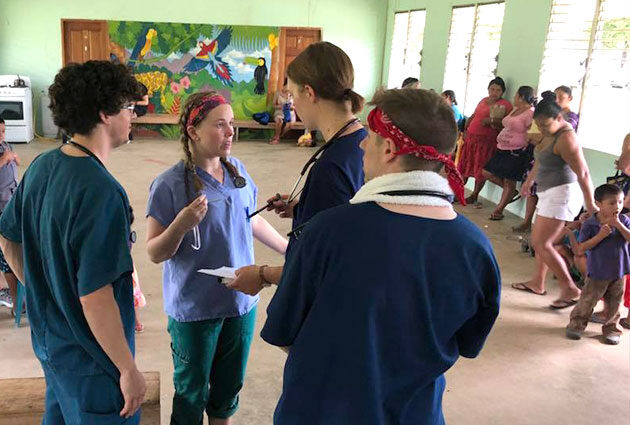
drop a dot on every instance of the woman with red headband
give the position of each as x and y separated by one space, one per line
401 285
198 218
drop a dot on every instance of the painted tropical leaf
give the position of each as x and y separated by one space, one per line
170 131
252 38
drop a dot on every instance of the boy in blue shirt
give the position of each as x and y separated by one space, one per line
604 238
66 234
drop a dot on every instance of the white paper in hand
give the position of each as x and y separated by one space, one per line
225 274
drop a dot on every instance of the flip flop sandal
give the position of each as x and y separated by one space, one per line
478 205
522 287
496 217
562 304
625 323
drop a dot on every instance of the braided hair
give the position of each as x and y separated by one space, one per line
192 102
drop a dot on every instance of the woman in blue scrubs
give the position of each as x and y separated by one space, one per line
198 218
321 79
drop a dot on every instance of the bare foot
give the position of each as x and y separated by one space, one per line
274 141
471 199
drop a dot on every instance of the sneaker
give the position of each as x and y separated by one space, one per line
5 298
612 339
573 334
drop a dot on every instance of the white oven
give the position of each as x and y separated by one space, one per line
16 108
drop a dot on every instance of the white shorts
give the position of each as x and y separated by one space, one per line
561 202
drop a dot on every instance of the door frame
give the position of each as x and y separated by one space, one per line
64 22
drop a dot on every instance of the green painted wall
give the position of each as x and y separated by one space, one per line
30 31
520 55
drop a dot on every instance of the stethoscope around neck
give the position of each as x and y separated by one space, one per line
312 160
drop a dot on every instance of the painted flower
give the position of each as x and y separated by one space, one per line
175 88
185 82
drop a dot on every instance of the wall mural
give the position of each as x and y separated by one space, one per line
173 60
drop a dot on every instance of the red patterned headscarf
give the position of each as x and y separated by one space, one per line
207 104
382 125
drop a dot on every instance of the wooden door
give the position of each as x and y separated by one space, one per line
84 40
292 42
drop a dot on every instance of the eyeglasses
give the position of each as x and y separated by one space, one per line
131 107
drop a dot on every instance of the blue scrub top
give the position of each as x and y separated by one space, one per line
374 320
73 221
333 180
226 240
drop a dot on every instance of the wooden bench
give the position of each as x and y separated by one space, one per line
238 124
156 119
23 400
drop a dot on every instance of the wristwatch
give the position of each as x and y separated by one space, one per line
261 274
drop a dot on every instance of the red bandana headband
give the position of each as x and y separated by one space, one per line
207 104
382 125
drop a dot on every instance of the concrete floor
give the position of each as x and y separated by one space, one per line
528 373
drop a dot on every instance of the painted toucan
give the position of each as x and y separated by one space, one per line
143 45
208 55
260 75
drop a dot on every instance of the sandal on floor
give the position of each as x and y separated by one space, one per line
496 216
562 304
625 323
520 286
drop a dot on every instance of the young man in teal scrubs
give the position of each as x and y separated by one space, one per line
66 234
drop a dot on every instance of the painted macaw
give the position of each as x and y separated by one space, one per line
208 55
143 45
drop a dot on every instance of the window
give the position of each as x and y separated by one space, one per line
473 52
588 49
406 52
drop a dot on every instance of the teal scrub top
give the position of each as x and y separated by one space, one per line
73 221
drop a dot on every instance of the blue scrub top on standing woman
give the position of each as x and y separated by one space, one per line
225 239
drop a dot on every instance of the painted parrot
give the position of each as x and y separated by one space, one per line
208 55
143 45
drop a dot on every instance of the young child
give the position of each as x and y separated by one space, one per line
604 238
8 183
284 115
567 246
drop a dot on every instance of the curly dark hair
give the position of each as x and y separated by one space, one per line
81 91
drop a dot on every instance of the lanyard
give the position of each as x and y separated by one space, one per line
86 151
132 235
430 193
298 230
313 159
